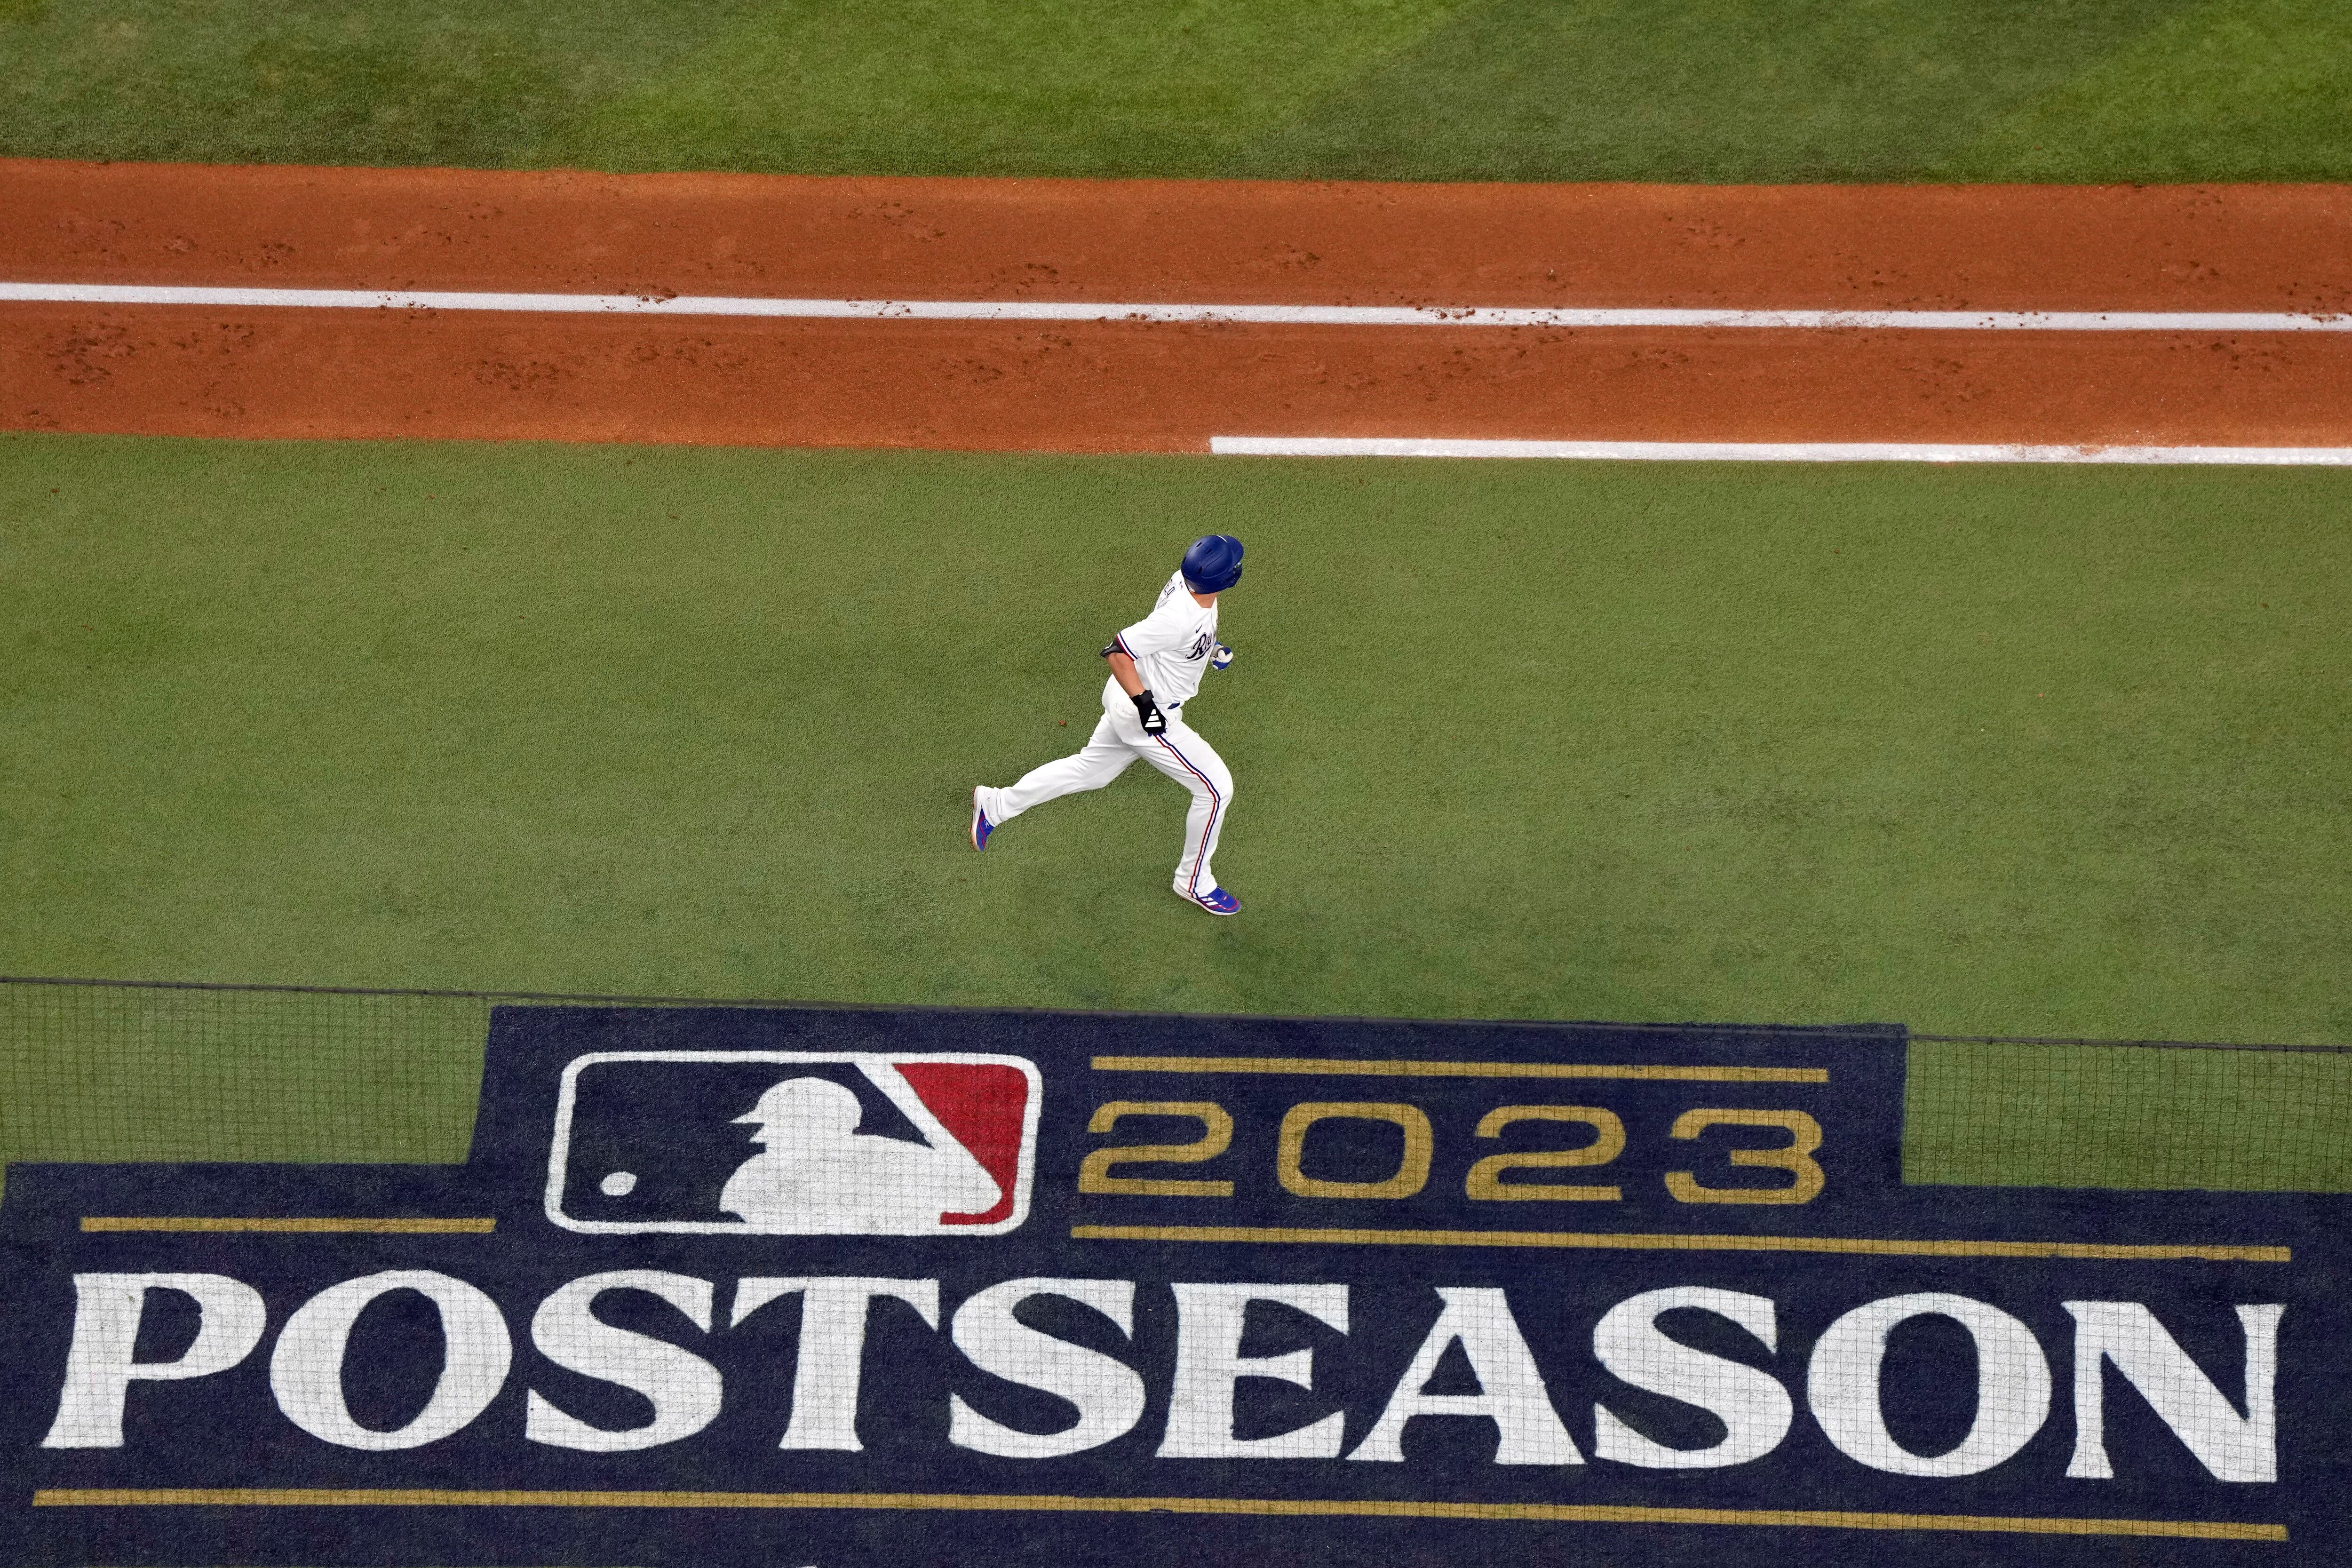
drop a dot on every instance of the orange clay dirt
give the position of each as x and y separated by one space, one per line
1138 388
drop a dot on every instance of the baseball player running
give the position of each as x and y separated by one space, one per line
1155 669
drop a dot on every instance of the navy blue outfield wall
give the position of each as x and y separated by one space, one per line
725 1286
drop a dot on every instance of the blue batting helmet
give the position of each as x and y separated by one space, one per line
1213 563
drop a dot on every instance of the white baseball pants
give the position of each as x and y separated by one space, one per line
1117 742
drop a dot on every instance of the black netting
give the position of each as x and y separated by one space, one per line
112 1071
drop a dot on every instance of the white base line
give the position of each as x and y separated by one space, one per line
1769 451
1273 315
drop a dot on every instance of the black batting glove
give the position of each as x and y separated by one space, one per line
1155 722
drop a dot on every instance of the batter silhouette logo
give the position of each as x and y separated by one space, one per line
793 1143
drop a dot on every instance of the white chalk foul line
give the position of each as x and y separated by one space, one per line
1272 315
1771 451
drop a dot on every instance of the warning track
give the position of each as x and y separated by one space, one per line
1146 316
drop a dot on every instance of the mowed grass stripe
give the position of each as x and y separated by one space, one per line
1704 90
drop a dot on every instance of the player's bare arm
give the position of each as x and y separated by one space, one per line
1131 680
1122 669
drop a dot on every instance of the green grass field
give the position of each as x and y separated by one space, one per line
1447 89
2003 751
2017 751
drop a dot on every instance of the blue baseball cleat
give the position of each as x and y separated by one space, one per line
980 826
1216 900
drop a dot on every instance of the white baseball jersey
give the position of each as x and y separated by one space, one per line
1170 646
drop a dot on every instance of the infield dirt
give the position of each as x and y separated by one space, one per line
1126 386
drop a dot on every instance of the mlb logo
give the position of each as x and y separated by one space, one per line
793 1143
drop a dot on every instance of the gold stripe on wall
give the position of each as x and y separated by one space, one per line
1321 1508
1899 1247
299 1224
1380 1068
